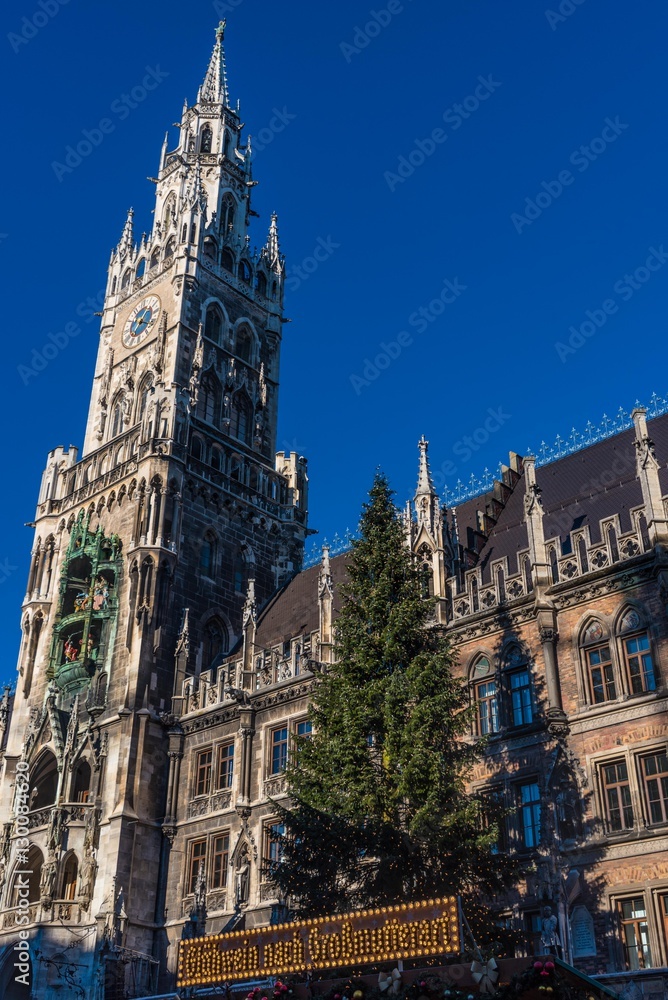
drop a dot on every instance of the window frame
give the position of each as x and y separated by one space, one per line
536 818
622 807
228 745
224 854
269 843
634 921
661 777
631 636
198 768
194 862
274 768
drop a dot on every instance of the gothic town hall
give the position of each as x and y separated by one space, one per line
170 631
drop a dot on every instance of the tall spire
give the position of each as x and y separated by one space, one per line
127 239
425 486
273 247
214 89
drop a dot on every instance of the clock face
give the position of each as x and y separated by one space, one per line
141 321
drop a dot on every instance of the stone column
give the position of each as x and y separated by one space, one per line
547 627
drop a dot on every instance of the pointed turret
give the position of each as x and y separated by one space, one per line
127 240
425 486
214 89
273 249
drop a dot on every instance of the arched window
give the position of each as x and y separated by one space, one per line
244 344
637 650
117 419
518 685
245 272
262 283
68 887
597 659
127 278
81 782
193 233
242 418
216 459
197 448
228 210
113 285
207 140
170 211
483 684
141 268
213 325
171 247
210 248
144 393
613 547
227 143
208 404
500 584
184 232
227 260
44 782
475 603
582 555
425 571
34 866
644 533
155 257
214 643
528 578
207 555
554 564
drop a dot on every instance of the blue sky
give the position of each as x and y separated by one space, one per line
412 135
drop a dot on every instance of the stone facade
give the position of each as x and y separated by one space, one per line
170 635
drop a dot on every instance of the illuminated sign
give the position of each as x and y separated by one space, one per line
385 934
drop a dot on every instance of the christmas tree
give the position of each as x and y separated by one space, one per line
379 811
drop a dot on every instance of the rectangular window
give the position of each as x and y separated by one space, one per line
529 796
520 698
601 679
487 705
225 766
203 773
664 916
279 750
635 933
197 860
639 665
655 775
533 926
273 845
221 859
617 796
304 728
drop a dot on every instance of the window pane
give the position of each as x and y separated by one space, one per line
226 766
203 783
656 787
279 750
530 814
197 860
221 847
520 693
639 664
304 728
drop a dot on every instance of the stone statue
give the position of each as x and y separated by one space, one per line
549 936
242 887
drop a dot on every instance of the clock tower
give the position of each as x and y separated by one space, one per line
177 514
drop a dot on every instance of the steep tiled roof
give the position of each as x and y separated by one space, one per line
579 489
294 609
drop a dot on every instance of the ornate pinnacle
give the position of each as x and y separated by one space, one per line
127 238
214 89
425 486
